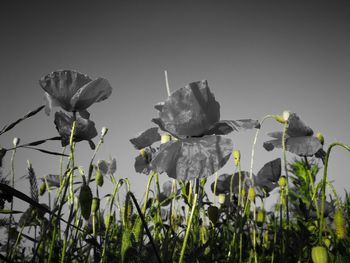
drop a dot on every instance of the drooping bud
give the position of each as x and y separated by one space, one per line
327 242
165 138
260 218
213 214
251 194
236 157
42 188
279 118
286 115
319 254
85 201
320 137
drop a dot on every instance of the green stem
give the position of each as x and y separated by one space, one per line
13 185
324 182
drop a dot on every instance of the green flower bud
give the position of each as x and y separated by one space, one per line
339 222
99 177
42 188
143 153
286 115
280 119
260 218
104 131
221 199
319 254
95 205
282 182
165 138
327 242
236 157
251 194
320 137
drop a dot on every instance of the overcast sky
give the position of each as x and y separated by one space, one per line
259 58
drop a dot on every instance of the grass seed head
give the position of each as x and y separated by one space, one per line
339 222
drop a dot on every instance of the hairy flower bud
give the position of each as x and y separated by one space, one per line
320 137
236 156
339 222
251 194
165 138
42 188
282 182
319 254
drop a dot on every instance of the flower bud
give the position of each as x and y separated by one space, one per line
221 199
213 214
339 223
279 118
85 201
260 218
327 242
286 115
104 131
99 177
165 138
319 254
95 205
236 157
251 194
16 141
42 188
143 153
282 182
320 137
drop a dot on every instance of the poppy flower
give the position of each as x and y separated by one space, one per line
192 116
146 138
107 167
73 91
299 139
85 129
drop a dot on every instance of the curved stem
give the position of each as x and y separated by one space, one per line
324 182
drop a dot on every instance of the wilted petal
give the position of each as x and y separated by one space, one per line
189 111
146 138
297 128
302 146
61 85
85 129
193 157
94 91
227 126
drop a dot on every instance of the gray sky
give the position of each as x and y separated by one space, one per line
258 57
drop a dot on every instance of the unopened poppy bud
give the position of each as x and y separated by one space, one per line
280 119
165 138
260 218
286 115
85 201
320 137
104 131
95 205
319 254
143 153
221 199
339 223
99 177
282 182
251 194
236 157
327 242
42 189
16 141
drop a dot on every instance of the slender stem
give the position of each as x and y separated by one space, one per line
13 185
324 182
286 169
167 82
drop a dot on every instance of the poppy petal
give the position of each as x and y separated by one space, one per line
146 138
193 157
61 85
268 176
302 146
190 111
94 91
297 128
227 126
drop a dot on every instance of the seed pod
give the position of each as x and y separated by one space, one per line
251 194
282 182
85 201
165 138
95 205
42 188
320 137
319 254
221 199
339 223
99 177
213 214
236 157
260 218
